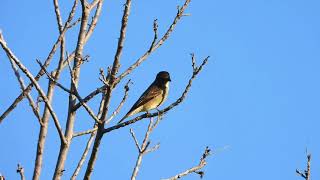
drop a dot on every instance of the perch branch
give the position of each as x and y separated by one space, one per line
177 102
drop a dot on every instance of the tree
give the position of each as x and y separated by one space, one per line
42 105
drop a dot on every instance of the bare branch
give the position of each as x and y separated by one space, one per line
306 173
194 169
135 140
58 15
75 92
20 170
46 64
90 131
82 37
177 102
84 155
123 30
107 95
126 87
37 86
151 49
155 46
143 149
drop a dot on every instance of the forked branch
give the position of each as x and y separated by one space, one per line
306 173
195 169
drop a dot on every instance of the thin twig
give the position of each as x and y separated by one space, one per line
195 169
20 170
90 131
135 140
126 87
143 149
306 173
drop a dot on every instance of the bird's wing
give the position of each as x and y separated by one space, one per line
152 92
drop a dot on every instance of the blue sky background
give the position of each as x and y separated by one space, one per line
255 104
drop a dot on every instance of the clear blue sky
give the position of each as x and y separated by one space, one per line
256 103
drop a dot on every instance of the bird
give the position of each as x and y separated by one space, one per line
153 97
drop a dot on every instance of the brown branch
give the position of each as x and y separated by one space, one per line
195 169
196 71
83 36
20 170
58 15
46 64
46 115
107 95
306 173
154 45
37 86
84 155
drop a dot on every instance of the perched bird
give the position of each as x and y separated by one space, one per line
153 97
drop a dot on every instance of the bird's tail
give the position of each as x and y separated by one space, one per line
123 118
130 113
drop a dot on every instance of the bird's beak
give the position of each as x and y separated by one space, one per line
169 79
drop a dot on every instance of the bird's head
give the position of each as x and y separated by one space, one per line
163 76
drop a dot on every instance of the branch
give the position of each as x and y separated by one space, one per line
75 92
90 131
84 155
35 83
22 87
144 147
58 15
106 98
126 87
20 170
46 64
307 172
194 169
196 71
154 45
151 49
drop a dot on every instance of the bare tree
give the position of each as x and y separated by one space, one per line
90 13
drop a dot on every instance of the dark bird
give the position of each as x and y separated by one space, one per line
153 97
